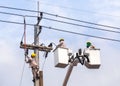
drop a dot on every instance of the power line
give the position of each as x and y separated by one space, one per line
76 9
22 74
18 9
61 22
82 21
17 14
81 34
113 27
81 25
16 23
64 31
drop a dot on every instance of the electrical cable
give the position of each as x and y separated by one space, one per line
18 9
11 14
81 25
81 21
43 64
63 22
16 14
81 34
22 74
64 31
60 17
23 37
76 9
16 22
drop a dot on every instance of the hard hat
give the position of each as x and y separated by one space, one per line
33 55
61 39
88 44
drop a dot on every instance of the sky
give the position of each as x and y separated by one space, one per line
104 12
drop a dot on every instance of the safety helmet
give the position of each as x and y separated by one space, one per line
61 40
88 44
33 55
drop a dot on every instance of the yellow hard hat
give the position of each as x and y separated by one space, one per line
61 39
33 55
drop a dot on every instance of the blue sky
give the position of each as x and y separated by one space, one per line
101 12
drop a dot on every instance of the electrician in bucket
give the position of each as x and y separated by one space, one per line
61 43
33 65
88 46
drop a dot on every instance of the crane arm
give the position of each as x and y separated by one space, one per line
68 74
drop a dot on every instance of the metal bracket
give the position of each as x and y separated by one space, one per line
39 18
40 28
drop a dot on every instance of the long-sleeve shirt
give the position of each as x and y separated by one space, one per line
32 62
62 44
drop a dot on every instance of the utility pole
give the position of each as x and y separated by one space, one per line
36 51
37 30
37 47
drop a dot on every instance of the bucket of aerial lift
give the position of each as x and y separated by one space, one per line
61 57
94 58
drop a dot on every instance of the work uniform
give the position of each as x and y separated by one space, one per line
62 44
91 47
34 66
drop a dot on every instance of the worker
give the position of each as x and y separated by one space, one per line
61 43
33 65
88 46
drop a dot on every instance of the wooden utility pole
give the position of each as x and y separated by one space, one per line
41 78
36 51
37 47
37 30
